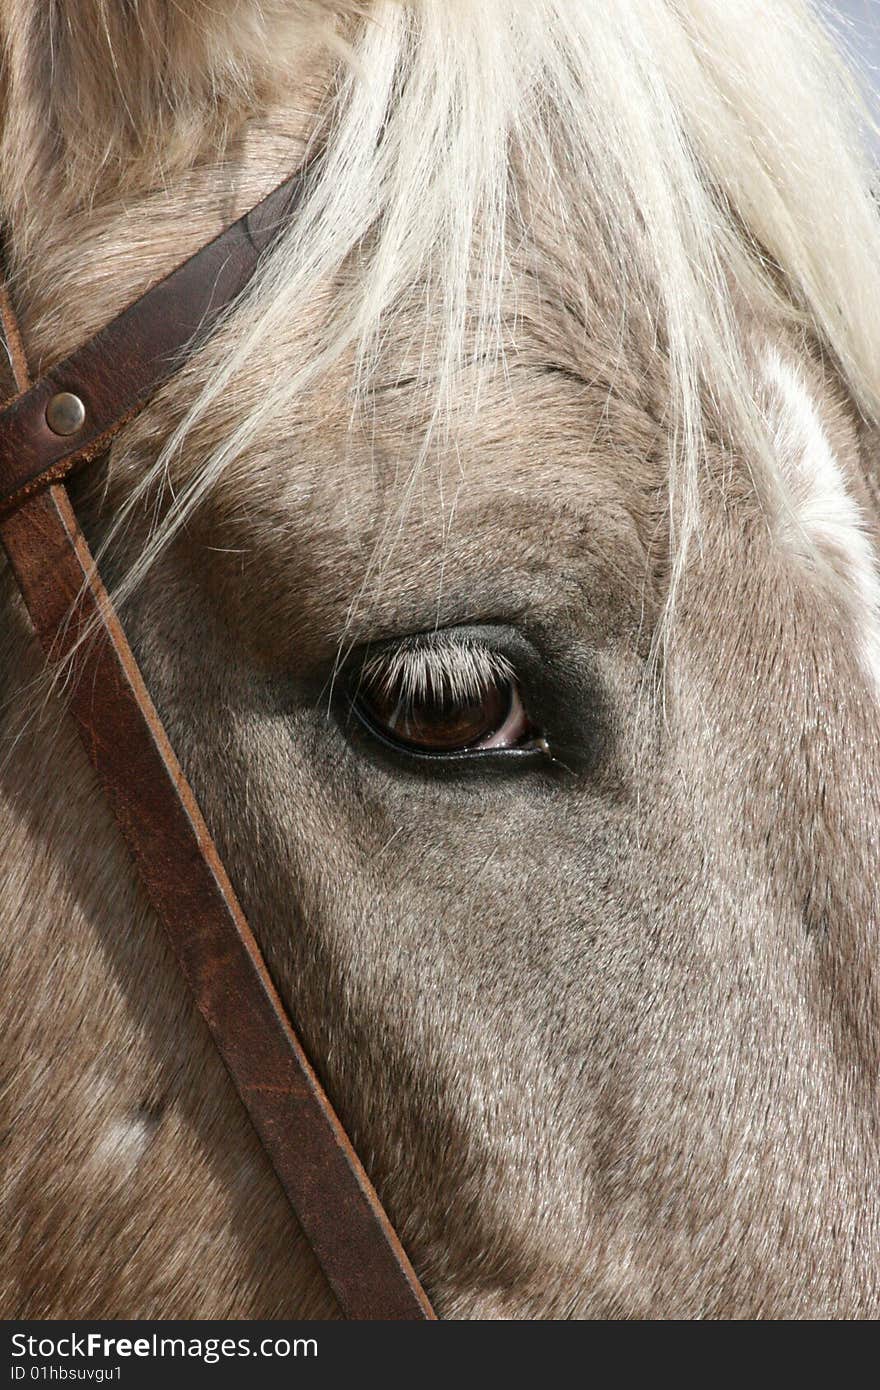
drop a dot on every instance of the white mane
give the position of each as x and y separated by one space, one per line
722 140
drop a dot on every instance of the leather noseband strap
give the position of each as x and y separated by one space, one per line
113 376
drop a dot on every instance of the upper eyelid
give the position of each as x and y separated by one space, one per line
464 669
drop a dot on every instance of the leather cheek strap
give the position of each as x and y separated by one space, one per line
187 884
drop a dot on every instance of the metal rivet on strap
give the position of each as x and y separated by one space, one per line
65 413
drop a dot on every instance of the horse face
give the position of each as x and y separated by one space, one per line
597 1003
574 1001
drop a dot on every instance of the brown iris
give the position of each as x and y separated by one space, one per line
441 721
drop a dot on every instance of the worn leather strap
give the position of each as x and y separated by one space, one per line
114 373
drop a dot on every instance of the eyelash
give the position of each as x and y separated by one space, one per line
463 670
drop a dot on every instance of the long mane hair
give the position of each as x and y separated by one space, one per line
705 154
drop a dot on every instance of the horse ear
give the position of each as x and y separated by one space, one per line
93 90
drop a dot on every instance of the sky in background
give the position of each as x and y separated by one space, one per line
863 19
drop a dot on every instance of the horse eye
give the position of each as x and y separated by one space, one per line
439 720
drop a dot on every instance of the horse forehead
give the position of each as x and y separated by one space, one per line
547 486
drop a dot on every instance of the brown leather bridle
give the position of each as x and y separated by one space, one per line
88 398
